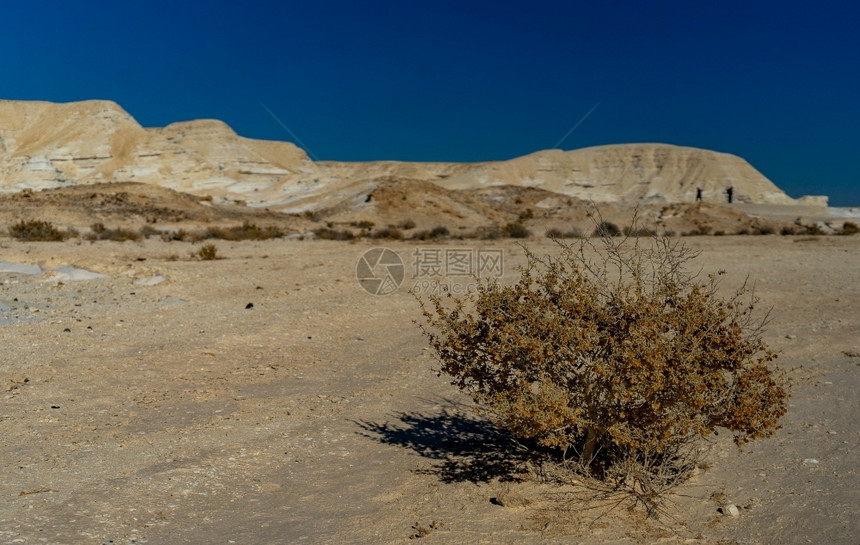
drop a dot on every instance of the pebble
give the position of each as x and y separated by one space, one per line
811 461
730 510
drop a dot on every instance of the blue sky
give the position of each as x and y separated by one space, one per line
777 83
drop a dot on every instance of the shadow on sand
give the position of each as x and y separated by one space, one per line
463 448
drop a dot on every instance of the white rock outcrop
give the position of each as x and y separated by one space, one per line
45 145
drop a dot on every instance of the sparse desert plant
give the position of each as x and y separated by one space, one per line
406 225
435 233
37 231
558 233
179 234
364 224
390 233
324 233
440 231
98 231
606 229
246 231
849 228
516 230
614 357
208 252
147 231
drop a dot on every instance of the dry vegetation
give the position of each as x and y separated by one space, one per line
613 359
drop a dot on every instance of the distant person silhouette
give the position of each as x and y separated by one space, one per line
730 192
698 194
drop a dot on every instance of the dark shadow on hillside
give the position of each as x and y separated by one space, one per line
463 448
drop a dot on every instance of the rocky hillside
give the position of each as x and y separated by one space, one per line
47 145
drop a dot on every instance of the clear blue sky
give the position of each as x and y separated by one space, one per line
777 83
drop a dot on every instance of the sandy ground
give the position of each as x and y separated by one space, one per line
174 413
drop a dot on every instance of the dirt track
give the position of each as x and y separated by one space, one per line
174 414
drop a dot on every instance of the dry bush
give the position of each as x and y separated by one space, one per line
606 229
516 230
98 231
389 232
437 232
325 233
37 231
208 252
246 231
613 356
849 228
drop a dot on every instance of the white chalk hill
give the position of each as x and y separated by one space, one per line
46 145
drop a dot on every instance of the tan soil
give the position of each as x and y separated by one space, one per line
174 414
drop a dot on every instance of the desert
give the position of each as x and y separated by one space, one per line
261 393
265 397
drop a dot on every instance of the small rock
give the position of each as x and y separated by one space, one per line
810 461
730 510
509 498
249 305
150 280
791 337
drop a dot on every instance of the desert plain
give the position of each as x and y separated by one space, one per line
265 397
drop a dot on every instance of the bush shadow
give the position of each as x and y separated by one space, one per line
464 448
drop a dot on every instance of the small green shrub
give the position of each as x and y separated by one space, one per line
37 231
614 357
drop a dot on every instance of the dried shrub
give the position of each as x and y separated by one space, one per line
324 233
433 234
606 229
37 231
614 357
633 231
246 231
406 225
516 230
363 224
208 252
849 228
389 233
98 231
147 231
